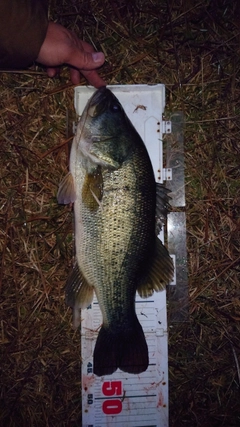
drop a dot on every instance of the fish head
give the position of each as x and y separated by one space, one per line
105 130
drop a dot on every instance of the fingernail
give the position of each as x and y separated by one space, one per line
98 57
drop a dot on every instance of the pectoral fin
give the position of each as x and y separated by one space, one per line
79 294
92 190
66 192
160 272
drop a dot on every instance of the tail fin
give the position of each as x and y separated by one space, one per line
126 350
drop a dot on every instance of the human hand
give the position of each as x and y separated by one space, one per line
62 46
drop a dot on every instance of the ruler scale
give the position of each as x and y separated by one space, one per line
121 398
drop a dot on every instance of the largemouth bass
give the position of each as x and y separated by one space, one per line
117 205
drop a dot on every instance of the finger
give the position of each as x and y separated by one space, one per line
84 60
52 71
93 78
75 76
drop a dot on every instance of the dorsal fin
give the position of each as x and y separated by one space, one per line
162 206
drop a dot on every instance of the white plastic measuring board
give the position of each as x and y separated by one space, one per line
123 399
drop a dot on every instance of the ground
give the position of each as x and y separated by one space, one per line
193 48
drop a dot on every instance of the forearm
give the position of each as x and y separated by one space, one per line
23 27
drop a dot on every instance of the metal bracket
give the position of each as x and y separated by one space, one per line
166 126
74 127
167 174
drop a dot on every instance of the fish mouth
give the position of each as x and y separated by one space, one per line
102 100
101 94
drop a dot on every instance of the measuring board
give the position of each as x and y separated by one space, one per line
121 398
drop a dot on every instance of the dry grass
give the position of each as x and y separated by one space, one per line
194 48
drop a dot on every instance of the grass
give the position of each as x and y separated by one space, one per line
193 48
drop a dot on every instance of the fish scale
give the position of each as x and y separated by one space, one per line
120 214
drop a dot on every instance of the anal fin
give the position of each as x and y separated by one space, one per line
79 294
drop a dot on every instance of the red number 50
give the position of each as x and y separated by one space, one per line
112 406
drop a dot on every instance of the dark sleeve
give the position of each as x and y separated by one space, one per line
23 27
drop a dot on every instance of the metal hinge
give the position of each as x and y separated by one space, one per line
166 126
74 127
167 174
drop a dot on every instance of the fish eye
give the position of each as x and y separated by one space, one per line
115 108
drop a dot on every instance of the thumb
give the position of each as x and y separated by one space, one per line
98 58
86 60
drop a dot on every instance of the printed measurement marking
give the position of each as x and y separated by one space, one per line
111 388
90 399
112 406
134 396
137 302
89 368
